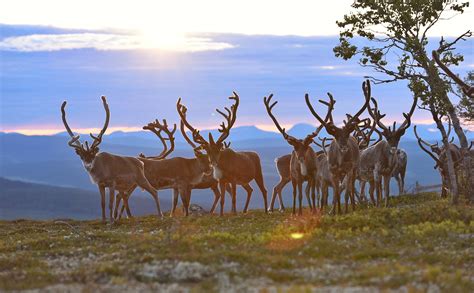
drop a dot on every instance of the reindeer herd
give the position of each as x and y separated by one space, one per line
350 154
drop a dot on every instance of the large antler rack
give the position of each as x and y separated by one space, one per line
157 128
403 127
230 116
75 142
291 139
352 120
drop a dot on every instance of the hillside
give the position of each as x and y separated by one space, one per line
24 200
420 244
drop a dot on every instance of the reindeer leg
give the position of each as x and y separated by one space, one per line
352 191
249 190
371 192
280 199
217 195
300 197
277 192
175 202
386 185
259 180
111 203
102 201
306 191
338 196
118 198
222 189
125 203
234 198
187 200
293 182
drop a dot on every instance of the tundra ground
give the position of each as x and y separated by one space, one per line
421 243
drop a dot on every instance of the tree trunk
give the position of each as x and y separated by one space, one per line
453 184
439 91
467 170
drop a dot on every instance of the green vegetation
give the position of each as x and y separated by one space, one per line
420 242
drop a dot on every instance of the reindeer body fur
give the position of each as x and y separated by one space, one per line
303 168
240 168
378 162
343 162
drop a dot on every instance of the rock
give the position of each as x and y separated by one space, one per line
195 209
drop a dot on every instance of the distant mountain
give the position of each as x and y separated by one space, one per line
23 200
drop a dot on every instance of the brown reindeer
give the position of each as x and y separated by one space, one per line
207 180
180 174
393 135
157 128
302 161
108 170
228 166
439 155
343 152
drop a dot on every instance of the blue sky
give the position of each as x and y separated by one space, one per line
42 65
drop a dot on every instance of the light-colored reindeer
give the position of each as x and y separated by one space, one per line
228 166
108 170
343 152
393 135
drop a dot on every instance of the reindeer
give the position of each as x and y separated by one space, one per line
438 154
363 136
108 170
302 161
180 174
393 135
343 153
229 166
157 128
207 180
283 167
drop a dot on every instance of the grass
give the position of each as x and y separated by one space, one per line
418 243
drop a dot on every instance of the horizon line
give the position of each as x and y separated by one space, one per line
84 131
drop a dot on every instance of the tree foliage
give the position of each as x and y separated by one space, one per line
466 105
400 28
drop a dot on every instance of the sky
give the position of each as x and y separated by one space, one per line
143 55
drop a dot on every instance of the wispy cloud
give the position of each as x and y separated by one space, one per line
106 41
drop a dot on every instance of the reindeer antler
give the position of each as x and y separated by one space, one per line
421 142
196 135
74 142
230 117
98 139
156 127
269 108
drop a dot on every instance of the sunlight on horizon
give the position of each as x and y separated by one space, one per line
85 131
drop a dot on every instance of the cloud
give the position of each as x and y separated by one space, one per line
107 41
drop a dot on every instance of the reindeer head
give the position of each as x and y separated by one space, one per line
392 134
438 154
213 148
341 134
86 153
